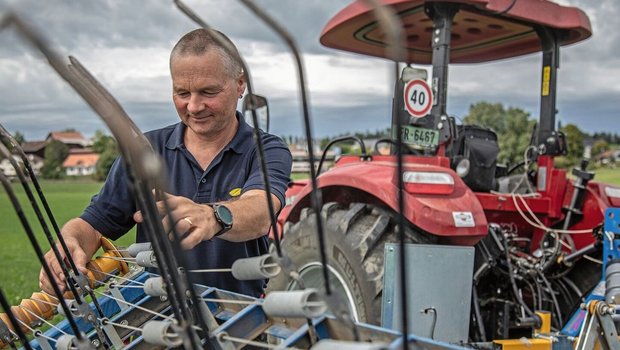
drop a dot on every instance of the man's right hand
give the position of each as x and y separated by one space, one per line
82 242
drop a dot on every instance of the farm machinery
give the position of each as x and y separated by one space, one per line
505 257
536 233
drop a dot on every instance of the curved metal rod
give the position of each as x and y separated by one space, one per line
136 150
39 253
72 280
392 27
145 170
363 154
257 137
315 195
16 146
18 329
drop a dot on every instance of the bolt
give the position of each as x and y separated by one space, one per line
439 125
124 322
96 343
163 298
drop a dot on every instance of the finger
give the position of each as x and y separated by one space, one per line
80 259
137 216
184 225
47 285
44 283
191 241
57 276
54 265
166 224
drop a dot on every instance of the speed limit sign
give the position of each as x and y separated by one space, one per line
418 98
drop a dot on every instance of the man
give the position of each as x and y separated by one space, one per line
211 158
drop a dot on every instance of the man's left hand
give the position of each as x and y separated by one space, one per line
193 222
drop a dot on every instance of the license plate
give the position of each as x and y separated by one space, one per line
420 137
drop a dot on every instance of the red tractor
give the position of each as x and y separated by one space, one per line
531 225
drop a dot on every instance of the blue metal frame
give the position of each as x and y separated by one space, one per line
611 251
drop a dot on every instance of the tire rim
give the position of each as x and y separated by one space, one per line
312 276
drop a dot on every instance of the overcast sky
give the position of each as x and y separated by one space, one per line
125 44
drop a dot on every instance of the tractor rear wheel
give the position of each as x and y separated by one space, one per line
355 236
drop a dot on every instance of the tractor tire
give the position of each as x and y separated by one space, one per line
355 237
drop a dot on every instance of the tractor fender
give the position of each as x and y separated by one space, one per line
455 217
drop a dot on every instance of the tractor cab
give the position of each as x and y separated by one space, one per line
468 31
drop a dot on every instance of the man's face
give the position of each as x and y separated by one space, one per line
204 95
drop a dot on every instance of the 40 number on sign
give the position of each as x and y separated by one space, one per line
418 98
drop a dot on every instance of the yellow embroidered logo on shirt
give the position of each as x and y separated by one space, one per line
235 192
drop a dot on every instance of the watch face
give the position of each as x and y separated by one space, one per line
225 214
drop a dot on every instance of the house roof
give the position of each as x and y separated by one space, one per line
83 160
74 137
33 146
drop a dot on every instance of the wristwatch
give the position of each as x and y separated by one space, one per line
224 217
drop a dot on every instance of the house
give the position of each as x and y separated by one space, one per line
7 168
73 139
9 171
80 162
608 157
35 148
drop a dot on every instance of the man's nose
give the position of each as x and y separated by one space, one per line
196 104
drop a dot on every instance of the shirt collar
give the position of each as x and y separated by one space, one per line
240 143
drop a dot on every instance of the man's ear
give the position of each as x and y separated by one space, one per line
241 84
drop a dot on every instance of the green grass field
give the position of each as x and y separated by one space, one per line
19 267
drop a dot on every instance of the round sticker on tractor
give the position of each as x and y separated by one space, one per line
418 98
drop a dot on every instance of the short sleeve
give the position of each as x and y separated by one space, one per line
279 161
111 210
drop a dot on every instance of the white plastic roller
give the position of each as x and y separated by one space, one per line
155 287
65 342
146 259
255 268
160 333
71 304
305 303
136 248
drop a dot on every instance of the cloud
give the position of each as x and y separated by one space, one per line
125 44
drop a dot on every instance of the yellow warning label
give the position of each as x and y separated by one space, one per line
545 80
235 192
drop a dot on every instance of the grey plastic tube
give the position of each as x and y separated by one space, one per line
300 303
255 268
136 248
146 259
160 333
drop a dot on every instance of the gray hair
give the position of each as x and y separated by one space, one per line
200 41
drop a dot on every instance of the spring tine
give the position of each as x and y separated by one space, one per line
315 194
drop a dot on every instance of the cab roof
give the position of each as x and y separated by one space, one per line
483 30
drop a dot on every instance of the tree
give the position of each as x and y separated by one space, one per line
599 147
19 137
106 159
55 154
574 141
107 148
486 114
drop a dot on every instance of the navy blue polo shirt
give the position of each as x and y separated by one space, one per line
234 170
